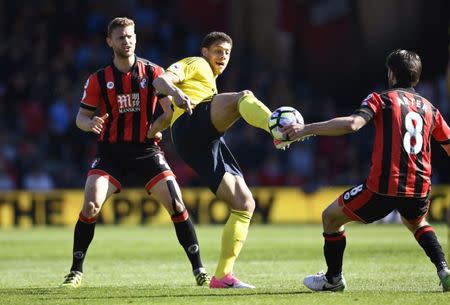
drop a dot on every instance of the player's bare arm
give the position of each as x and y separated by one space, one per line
87 121
163 121
334 127
165 84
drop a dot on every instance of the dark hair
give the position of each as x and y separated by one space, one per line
406 66
119 22
212 37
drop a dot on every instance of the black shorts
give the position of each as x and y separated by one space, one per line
361 204
131 164
202 147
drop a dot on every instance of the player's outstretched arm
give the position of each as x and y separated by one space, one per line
165 84
334 127
163 121
87 121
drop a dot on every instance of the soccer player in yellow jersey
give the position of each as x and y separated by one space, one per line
201 117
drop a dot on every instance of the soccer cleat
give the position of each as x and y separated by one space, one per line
319 282
283 145
228 281
444 276
202 278
73 279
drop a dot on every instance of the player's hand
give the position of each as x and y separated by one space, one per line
294 132
96 123
158 137
183 101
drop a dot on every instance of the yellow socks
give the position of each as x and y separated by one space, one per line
233 238
254 112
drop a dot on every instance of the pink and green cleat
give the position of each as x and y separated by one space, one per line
228 281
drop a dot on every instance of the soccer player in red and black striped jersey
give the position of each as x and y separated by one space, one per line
399 177
125 101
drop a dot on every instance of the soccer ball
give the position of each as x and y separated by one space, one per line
281 117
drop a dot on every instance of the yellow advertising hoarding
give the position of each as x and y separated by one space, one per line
274 205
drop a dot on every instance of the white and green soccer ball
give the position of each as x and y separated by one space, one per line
283 116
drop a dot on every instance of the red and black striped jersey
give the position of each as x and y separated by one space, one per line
401 158
128 98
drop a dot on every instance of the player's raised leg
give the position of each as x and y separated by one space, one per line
235 192
426 237
98 188
333 219
227 108
168 193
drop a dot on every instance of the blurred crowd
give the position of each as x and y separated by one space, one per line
50 47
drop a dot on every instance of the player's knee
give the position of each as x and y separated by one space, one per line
244 93
91 209
327 218
245 203
413 226
249 205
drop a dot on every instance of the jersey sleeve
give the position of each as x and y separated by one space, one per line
441 131
157 72
369 107
186 68
91 94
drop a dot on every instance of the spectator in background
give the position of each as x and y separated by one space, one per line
37 179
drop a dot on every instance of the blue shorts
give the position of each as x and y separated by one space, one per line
202 147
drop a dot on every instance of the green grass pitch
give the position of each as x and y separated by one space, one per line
145 265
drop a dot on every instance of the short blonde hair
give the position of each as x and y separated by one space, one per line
119 22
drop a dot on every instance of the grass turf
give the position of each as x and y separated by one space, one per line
383 264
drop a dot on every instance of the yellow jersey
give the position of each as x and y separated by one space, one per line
196 80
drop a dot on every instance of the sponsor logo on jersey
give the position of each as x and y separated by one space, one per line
128 102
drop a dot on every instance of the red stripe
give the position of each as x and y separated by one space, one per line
425 154
86 219
348 212
126 85
111 179
113 102
334 238
143 92
180 217
360 200
373 180
396 144
422 231
156 179
352 215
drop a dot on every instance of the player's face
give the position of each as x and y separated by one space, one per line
123 41
217 55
